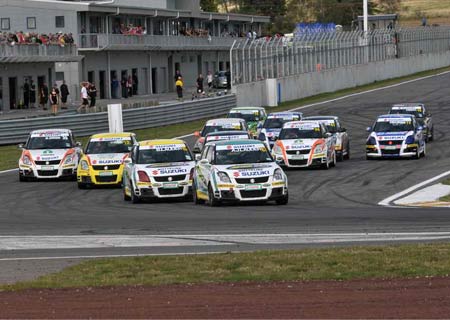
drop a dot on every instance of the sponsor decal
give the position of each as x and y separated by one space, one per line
395 120
242 147
111 139
230 137
49 134
165 147
255 173
305 126
166 171
243 167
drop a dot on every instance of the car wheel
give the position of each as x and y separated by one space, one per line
333 162
213 202
431 138
417 155
134 197
340 156
125 196
424 152
283 201
194 195
22 178
82 185
347 155
326 165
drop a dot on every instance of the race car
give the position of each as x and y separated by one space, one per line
158 169
333 125
102 161
423 117
271 128
395 136
254 116
49 153
238 170
305 144
216 125
226 135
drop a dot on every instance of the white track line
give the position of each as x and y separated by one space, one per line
332 100
387 201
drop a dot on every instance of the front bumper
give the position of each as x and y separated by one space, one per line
47 172
179 189
301 161
251 192
100 177
404 151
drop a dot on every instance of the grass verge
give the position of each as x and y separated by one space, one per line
10 154
346 263
446 182
445 199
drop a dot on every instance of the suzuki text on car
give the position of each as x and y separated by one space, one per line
238 170
158 169
102 161
333 125
49 153
226 135
271 128
216 125
305 144
394 136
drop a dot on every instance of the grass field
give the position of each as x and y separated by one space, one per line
436 12
344 263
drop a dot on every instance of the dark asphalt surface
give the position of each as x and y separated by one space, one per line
342 199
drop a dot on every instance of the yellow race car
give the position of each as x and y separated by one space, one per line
102 161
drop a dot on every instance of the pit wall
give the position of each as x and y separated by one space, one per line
265 93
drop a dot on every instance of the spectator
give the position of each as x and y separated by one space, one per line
123 84
54 99
32 94
114 87
92 91
84 97
209 79
26 94
200 83
135 83
43 96
179 85
424 21
130 86
177 75
64 94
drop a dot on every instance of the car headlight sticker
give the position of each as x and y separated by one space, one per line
84 165
26 160
278 174
224 177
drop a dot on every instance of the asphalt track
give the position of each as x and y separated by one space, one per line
340 200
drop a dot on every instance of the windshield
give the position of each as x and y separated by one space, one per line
296 133
330 125
397 125
224 127
99 146
163 154
236 154
247 116
417 114
49 142
274 123
226 137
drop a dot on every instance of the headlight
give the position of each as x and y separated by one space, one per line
262 137
410 140
371 141
26 160
84 165
319 148
278 174
69 159
277 150
224 177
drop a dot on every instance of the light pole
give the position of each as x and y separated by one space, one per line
366 15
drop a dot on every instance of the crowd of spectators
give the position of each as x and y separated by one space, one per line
26 38
129 30
191 32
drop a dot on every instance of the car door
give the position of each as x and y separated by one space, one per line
129 168
203 169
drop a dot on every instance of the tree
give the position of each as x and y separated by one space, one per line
209 5
387 6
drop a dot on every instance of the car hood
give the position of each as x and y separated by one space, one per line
167 169
48 154
383 136
299 144
249 170
107 158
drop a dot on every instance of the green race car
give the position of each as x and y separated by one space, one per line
254 116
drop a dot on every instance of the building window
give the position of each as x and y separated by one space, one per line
31 22
5 24
59 21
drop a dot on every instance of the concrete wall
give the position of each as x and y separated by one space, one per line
309 84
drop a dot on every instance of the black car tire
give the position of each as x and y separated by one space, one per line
347 155
283 201
194 195
213 202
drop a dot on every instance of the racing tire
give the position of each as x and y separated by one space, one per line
325 165
347 155
195 199
431 137
134 198
424 152
82 185
213 202
283 201
125 196
417 155
340 156
333 163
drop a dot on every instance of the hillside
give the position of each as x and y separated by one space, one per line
436 11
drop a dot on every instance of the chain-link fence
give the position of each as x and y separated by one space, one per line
254 60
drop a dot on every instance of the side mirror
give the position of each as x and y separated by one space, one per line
197 133
328 134
369 129
78 144
204 161
198 156
127 161
20 146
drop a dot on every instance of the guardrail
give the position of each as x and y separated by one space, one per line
16 131
152 42
37 52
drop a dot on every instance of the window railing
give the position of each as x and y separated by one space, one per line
36 50
149 42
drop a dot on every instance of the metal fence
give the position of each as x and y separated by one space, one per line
16 131
255 60
37 52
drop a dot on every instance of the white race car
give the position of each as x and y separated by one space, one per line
158 169
49 154
396 136
271 128
305 144
238 170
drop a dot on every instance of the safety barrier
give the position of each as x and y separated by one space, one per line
16 131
